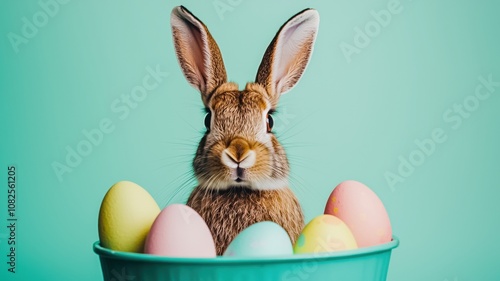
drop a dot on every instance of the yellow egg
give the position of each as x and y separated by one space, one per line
325 233
126 215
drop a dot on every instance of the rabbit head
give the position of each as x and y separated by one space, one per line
239 148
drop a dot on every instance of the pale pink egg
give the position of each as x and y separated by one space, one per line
180 231
363 212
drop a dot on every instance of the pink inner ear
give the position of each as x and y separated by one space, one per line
290 59
193 47
197 52
286 50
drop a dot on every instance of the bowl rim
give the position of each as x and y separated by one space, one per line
140 257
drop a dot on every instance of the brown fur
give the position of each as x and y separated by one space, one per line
228 212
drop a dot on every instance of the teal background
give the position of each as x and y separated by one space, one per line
342 121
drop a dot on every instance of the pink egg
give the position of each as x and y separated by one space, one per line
363 212
179 231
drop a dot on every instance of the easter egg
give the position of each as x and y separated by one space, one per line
260 239
361 209
125 217
179 231
325 233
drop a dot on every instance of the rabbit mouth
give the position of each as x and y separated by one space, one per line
238 176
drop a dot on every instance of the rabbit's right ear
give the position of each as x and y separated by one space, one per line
197 52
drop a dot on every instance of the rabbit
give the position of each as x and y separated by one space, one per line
241 168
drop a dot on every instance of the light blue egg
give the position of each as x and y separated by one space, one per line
259 240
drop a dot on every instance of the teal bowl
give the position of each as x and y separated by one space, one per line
365 264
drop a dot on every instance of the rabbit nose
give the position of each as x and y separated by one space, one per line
238 155
232 161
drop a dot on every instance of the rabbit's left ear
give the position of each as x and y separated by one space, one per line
288 54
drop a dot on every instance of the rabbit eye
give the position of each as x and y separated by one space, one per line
270 123
208 119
